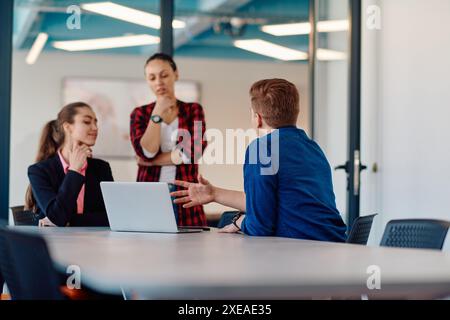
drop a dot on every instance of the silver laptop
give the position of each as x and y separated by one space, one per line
140 207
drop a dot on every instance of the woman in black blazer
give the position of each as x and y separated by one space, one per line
65 182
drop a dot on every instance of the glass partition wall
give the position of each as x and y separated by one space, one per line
331 90
95 51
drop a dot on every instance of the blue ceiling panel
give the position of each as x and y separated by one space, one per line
293 10
52 18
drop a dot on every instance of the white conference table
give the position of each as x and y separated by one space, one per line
211 265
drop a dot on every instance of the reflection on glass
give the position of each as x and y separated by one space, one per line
331 89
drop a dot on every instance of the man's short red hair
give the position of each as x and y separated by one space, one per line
276 101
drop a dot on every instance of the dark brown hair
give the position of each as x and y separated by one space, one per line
52 138
276 101
163 57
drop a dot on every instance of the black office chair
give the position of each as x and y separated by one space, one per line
360 231
2 282
27 267
415 233
226 218
3 256
24 217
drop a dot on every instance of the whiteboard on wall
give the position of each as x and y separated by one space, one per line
113 100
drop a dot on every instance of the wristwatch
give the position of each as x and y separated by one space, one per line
156 118
236 218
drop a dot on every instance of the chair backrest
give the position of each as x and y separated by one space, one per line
226 218
7 269
17 209
27 267
415 233
24 217
360 231
3 223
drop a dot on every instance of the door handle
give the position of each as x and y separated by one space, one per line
345 167
357 168
356 172
342 167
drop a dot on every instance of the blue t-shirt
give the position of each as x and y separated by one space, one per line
289 190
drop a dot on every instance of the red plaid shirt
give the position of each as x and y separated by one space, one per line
190 117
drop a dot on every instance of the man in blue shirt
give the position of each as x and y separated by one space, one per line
288 189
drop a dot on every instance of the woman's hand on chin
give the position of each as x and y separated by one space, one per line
165 107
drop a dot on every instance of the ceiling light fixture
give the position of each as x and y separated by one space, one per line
106 43
303 28
128 14
36 48
270 49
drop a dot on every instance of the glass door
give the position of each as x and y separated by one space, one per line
336 95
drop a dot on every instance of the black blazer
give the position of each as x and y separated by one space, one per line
56 193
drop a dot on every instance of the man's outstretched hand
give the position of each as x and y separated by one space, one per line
195 193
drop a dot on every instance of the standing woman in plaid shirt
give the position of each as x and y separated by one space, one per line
167 136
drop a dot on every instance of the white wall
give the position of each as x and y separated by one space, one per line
406 96
370 124
414 108
404 112
36 98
